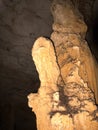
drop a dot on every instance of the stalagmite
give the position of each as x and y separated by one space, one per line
68 93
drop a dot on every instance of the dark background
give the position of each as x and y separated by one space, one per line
21 22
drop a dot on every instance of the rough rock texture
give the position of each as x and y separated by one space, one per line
67 97
72 50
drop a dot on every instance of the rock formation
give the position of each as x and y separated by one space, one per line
68 93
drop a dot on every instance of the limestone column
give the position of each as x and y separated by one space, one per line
68 93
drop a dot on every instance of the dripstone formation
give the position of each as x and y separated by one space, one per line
68 93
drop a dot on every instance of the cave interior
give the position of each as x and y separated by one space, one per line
21 22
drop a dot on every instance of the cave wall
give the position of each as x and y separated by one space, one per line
21 22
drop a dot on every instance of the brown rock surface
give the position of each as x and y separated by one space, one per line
43 49
67 97
73 53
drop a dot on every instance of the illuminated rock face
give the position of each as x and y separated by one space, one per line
74 57
67 71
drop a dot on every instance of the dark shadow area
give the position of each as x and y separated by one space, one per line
92 37
16 116
95 36
14 111
92 33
